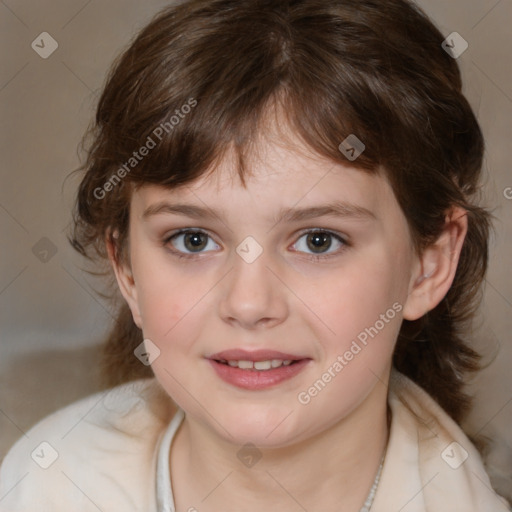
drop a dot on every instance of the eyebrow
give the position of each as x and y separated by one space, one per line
332 209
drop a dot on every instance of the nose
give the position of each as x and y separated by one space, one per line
253 297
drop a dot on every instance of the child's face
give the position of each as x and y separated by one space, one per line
285 301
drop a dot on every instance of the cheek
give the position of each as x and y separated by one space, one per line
363 292
163 298
164 313
364 305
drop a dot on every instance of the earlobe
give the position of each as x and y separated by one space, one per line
124 279
437 266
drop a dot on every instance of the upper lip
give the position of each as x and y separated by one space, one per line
255 355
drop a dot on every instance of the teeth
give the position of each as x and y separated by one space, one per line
262 365
258 365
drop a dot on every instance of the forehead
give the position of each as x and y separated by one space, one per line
282 177
280 171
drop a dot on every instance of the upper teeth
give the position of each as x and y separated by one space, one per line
258 365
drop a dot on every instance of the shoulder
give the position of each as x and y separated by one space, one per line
448 466
92 453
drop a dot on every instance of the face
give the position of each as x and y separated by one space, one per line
311 263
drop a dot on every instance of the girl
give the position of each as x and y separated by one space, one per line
285 192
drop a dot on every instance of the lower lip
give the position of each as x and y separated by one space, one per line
257 379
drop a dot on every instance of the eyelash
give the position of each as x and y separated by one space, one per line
314 257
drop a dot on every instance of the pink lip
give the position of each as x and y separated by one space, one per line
252 379
255 380
256 355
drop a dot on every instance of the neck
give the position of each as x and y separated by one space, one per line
337 466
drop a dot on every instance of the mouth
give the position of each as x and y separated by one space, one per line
256 370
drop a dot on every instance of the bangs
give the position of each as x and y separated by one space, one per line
180 152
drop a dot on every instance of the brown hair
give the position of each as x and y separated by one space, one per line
365 67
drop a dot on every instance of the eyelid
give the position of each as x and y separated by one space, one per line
341 236
168 236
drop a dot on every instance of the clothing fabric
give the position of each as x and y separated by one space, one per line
110 452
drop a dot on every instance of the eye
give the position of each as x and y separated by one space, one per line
190 241
319 242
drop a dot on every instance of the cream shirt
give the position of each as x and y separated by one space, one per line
110 452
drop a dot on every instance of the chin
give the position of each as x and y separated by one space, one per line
262 425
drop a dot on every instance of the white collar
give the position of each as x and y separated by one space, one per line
164 495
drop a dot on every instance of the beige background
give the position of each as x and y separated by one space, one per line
50 319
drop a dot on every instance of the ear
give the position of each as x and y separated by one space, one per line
436 267
124 278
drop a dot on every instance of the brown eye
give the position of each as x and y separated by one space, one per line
319 242
189 241
195 241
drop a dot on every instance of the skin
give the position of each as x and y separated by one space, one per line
314 456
